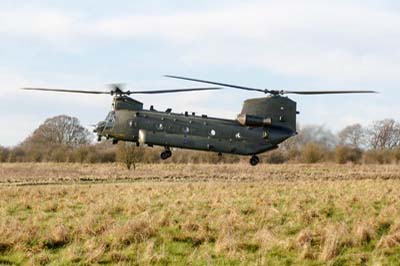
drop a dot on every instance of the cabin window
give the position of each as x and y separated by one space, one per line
160 126
186 130
213 132
238 136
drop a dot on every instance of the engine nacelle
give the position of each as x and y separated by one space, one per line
253 121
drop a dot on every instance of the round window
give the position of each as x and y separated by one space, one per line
212 132
186 130
160 126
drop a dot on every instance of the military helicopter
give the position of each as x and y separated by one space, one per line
261 126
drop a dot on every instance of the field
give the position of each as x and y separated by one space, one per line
168 214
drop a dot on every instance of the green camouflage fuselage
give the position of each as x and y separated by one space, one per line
262 125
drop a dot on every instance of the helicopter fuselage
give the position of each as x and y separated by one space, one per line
128 121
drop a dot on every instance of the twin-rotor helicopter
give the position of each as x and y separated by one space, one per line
261 126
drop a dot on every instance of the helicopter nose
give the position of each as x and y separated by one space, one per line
99 127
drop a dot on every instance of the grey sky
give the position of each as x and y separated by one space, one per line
268 44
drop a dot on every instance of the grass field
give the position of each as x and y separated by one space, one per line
166 214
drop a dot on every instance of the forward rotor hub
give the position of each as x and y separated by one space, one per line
274 92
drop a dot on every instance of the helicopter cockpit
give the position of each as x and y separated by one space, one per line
110 120
107 123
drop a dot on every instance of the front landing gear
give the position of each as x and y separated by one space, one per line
254 160
166 154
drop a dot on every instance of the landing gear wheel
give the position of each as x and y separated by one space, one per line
254 160
99 138
166 154
114 141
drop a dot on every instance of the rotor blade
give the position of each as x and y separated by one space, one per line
324 92
171 91
70 91
218 83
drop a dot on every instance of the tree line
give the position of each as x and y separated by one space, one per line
64 139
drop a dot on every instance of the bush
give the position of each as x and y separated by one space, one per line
60 154
275 157
151 155
377 157
81 154
105 156
293 155
344 154
127 153
396 155
16 155
313 153
34 156
4 153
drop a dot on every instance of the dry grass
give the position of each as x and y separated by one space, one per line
56 173
334 239
270 215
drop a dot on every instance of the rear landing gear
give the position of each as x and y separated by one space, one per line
254 160
166 154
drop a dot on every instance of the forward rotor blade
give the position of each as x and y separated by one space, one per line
218 83
172 91
324 92
69 91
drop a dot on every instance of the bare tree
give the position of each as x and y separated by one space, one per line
128 154
61 130
352 135
312 134
384 134
309 137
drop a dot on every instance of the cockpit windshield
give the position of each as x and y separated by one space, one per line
110 120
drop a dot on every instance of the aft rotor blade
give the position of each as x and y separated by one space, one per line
325 92
218 83
69 91
172 91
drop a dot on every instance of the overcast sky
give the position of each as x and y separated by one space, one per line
299 44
